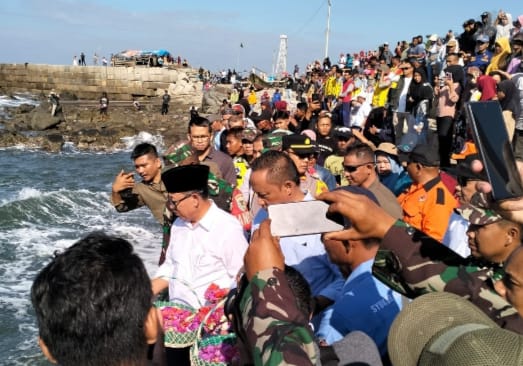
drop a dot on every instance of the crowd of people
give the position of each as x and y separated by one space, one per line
420 227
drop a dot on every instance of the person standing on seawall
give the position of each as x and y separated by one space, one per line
82 59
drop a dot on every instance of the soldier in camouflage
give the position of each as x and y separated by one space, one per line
414 264
271 311
277 331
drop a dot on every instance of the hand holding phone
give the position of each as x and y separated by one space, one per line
302 218
491 138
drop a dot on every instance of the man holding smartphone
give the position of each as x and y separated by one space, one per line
128 195
275 180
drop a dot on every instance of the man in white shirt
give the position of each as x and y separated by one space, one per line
398 100
361 107
207 244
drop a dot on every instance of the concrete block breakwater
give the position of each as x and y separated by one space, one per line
88 82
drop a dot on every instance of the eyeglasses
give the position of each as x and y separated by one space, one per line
406 68
353 168
173 205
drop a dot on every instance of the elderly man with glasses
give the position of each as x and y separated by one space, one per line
206 246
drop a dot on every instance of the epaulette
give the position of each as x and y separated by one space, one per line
440 196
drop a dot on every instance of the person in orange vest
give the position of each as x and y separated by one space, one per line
427 204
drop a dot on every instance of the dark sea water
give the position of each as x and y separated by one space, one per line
47 202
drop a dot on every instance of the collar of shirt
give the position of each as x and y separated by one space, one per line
362 268
206 221
158 186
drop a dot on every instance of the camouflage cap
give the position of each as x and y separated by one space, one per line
274 141
179 154
250 134
478 212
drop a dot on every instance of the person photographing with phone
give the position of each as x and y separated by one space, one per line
448 95
275 180
128 195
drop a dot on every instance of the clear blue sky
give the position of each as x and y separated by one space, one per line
209 32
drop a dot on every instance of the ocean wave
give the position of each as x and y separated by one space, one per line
62 207
132 141
18 99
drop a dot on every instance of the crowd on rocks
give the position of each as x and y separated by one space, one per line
426 264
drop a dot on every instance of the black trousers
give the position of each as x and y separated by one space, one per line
445 130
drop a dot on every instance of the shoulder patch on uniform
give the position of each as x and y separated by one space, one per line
440 196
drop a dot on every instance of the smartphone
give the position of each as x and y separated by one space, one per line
448 75
302 218
315 97
491 138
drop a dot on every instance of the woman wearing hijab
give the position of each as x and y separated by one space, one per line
419 102
390 172
448 96
501 56
509 99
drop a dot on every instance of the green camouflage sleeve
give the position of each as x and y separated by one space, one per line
414 263
277 332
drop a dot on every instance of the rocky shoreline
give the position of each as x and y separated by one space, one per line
79 122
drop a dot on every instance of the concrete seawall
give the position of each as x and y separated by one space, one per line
88 82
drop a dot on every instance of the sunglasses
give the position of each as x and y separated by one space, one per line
304 155
353 168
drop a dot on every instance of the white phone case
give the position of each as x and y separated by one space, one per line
301 218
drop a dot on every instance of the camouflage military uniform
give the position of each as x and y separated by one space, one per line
413 264
277 331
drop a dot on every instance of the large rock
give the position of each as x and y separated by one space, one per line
42 120
212 100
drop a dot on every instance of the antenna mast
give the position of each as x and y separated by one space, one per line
327 32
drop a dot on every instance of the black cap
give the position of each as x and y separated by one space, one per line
342 131
518 38
265 115
299 144
424 154
186 178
